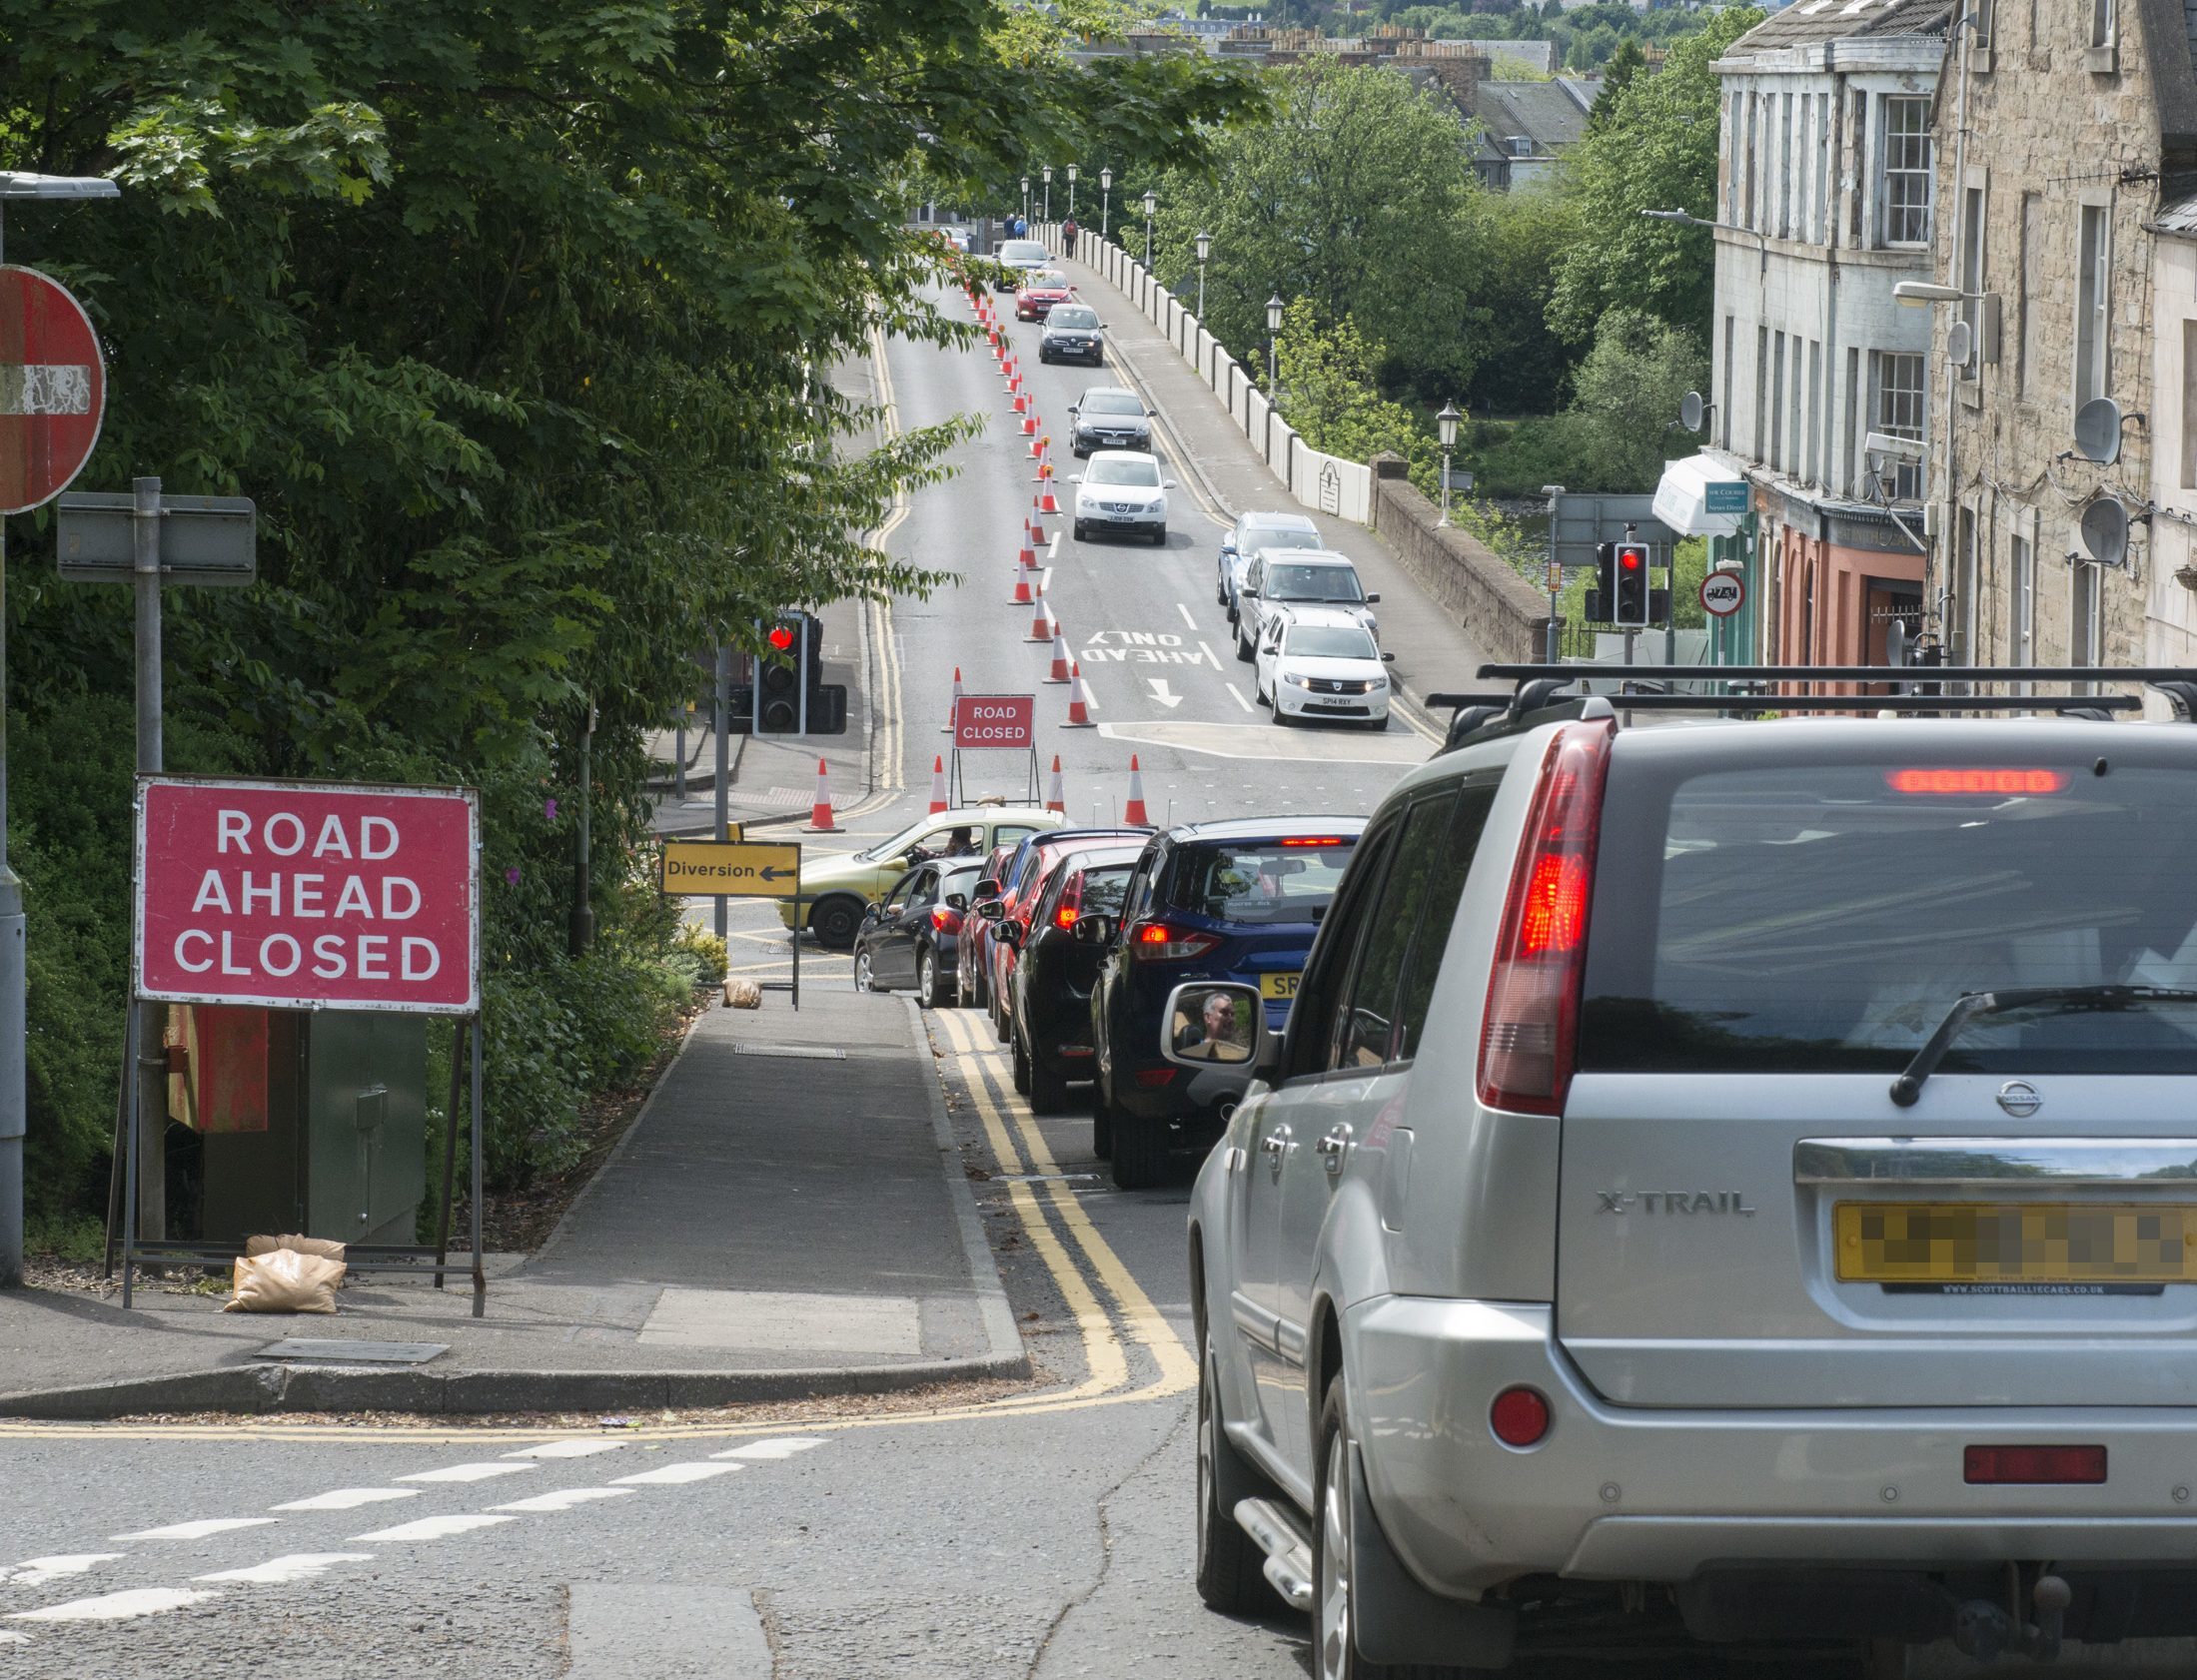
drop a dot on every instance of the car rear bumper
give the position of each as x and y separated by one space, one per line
1124 523
1628 1493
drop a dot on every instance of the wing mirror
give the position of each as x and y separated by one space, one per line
1167 483
1094 929
869 912
1227 548
1388 659
1075 407
960 901
1209 1022
986 887
1075 477
991 908
1371 599
1009 934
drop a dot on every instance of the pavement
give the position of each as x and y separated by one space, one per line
1433 654
788 1216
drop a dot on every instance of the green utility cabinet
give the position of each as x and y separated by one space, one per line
344 1152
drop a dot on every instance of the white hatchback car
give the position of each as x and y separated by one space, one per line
1321 662
1122 493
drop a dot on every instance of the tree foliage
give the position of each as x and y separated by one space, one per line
1654 150
513 317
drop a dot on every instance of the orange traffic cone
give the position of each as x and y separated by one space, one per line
1133 812
939 784
820 819
1079 699
1041 616
1023 404
1056 797
954 711
1029 426
1026 556
1045 503
1022 595
1059 672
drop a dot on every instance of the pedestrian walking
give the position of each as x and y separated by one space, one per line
1068 232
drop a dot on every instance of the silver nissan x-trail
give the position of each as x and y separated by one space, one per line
1731 1181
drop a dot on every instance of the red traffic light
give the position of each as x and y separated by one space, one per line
1631 559
780 637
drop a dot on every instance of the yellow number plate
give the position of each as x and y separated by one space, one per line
2028 1242
1279 985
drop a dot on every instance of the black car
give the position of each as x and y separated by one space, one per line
907 942
1072 333
1051 1019
1238 900
1108 418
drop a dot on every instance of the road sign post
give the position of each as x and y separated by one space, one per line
736 868
53 395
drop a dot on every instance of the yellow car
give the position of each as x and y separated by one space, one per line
836 890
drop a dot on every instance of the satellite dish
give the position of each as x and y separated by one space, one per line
1960 344
2105 531
1895 642
1691 411
2098 430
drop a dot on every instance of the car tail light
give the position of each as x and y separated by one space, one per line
1071 903
1153 1078
1518 1417
2032 1464
945 919
1961 780
1317 840
1532 1027
1156 942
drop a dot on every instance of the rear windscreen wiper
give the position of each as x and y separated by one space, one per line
1908 1086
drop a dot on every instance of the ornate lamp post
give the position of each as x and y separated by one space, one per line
1205 249
1446 424
1274 306
1071 192
1106 200
1151 204
1048 192
1025 198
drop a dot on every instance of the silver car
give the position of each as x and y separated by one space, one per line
1249 534
1734 1181
1279 580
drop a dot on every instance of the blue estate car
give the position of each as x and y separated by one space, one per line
1237 900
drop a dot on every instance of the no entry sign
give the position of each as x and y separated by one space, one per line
306 895
53 389
982 721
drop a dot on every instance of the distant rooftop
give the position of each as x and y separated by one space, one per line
1844 20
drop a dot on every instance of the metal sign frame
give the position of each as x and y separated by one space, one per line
797 898
956 788
209 540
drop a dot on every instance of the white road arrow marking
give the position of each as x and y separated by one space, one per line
1164 695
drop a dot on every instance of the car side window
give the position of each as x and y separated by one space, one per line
1138 898
1368 1027
1443 892
1255 575
924 893
903 890
1011 834
1313 1017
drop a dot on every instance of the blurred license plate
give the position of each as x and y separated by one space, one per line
2025 1243
1281 986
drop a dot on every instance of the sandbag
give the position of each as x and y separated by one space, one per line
742 994
285 1280
318 1246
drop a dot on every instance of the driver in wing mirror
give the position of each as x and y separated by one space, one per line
1214 1023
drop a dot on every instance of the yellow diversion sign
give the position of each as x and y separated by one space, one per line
733 868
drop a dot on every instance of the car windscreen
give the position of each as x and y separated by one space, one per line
1044 276
1118 472
1023 251
1329 641
898 844
1080 315
1260 880
1311 583
1108 402
1254 537
1825 916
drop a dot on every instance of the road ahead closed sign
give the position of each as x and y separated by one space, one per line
305 895
731 868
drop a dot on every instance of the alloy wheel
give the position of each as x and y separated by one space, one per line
1334 1583
863 977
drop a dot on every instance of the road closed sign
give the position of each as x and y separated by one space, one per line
983 721
308 895
732 869
1723 593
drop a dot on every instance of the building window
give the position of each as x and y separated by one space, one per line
1905 186
2189 405
1849 458
1784 166
2021 627
1971 277
2029 346
1960 612
1758 443
1724 408
2082 616
1755 133
2093 303
1778 404
1822 230
1731 166
1795 460
1860 153
1899 414
1816 412
1981 11
2104 23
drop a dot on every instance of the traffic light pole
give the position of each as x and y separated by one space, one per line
14 1101
723 720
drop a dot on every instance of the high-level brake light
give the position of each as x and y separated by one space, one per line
1316 840
1980 779
1530 1035
2033 1465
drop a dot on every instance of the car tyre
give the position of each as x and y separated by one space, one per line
1082 531
1048 1087
1140 1151
1159 537
928 989
1379 724
1019 1060
866 976
1243 647
836 921
1102 1123
1231 1576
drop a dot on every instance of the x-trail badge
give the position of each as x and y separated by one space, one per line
2019 1098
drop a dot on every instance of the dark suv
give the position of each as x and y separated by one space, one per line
1236 900
1050 1027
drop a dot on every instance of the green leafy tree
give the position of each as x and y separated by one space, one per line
1522 240
1627 62
1628 389
1656 150
1328 389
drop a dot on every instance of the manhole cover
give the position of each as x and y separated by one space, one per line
352 1351
791 1051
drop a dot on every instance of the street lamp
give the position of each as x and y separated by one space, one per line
1686 219
1446 424
1071 192
14 1103
1106 201
1205 247
1048 192
1922 294
1025 198
1151 204
1274 306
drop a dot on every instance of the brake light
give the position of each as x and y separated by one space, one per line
1978 780
1071 903
1981 1466
1157 942
1317 840
945 919
1531 1033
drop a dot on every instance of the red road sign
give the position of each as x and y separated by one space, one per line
1723 593
982 721
306 895
53 389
